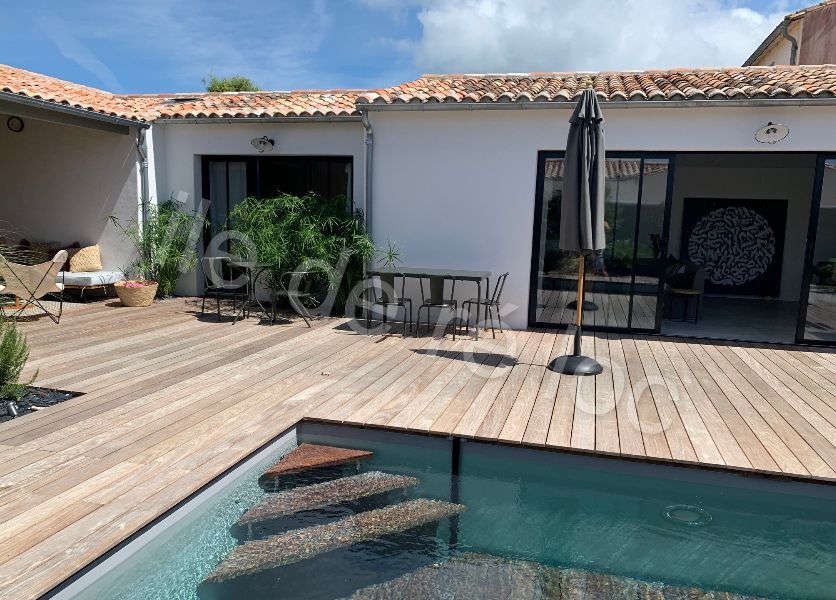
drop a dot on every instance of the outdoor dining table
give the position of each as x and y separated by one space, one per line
476 277
254 271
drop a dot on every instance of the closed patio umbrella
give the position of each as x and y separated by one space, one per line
582 211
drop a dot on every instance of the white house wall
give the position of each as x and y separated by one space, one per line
456 188
178 148
61 183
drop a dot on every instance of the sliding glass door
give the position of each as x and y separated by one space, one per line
623 282
817 321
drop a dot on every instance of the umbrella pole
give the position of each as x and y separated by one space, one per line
577 363
579 313
580 301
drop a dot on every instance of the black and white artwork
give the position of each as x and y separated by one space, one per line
739 242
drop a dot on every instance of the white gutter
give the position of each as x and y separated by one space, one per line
142 149
217 120
537 105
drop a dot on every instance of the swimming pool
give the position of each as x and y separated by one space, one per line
535 520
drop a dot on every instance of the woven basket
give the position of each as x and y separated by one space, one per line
136 296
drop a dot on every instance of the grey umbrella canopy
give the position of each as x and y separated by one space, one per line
582 211
582 207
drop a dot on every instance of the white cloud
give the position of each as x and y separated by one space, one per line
269 43
590 35
60 33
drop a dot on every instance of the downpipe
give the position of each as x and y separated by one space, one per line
142 148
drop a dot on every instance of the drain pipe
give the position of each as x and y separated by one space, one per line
142 148
368 141
785 33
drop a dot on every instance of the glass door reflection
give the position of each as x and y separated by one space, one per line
819 319
623 281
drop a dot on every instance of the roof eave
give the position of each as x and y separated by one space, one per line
729 102
280 119
71 110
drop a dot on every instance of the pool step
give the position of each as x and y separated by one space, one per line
320 495
495 578
311 456
302 544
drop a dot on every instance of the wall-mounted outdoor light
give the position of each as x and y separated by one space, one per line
263 144
772 133
15 124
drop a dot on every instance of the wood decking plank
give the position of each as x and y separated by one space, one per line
173 400
537 428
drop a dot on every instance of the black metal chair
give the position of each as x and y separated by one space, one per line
223 281
437 300
298 287
490 303
389 297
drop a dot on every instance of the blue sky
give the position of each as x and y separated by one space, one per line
170 45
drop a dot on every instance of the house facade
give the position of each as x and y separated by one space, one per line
804 37
465 171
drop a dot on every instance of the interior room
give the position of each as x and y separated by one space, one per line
737 244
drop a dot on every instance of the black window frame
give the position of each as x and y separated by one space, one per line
542 157
254 165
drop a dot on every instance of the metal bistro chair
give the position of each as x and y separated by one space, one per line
298 287
437 300
389 297
490 303
222 281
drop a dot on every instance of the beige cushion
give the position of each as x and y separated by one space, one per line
86 259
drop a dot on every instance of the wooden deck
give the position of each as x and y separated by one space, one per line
172 400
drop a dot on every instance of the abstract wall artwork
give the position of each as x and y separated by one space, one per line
739 242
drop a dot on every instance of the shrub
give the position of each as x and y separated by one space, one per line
291 231
14 352
234 83
166 245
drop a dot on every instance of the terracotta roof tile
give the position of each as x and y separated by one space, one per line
656 85
142 107
674 84
803 12
230 105
56 91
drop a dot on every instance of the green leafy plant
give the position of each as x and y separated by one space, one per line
389 255
825 272
14 352
235 83
166 244
294 231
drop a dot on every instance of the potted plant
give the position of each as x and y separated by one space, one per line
165 247
136 292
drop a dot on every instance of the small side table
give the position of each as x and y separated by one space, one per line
686 294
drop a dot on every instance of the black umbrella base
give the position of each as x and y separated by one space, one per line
576 365
587 305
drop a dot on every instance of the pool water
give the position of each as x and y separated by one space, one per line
679 526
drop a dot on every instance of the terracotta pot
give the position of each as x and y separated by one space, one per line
136 296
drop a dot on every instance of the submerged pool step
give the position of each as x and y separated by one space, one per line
496 578
301 544
320 495
312 456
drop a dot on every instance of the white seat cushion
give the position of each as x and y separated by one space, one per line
89 278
